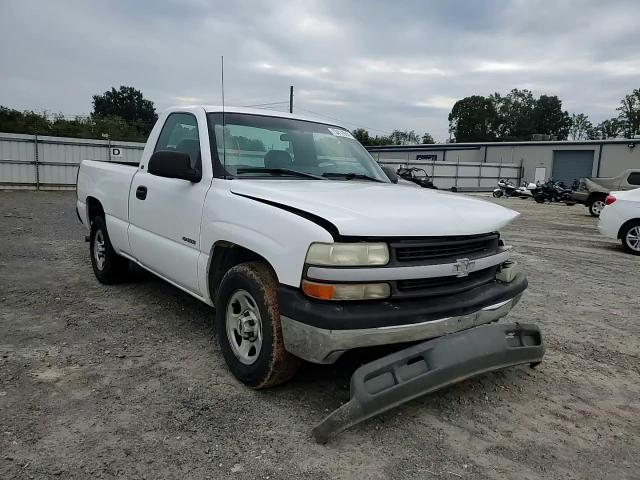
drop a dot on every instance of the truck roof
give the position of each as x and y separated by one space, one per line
257 111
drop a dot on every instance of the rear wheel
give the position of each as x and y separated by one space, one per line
248 327
630 237
595 206
108 266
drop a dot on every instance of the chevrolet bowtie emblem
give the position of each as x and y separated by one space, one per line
463 266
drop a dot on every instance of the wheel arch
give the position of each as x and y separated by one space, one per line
226 255
94 209
627 224
594 196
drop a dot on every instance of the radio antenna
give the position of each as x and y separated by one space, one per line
224 140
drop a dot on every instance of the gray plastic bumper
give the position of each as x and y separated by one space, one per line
424 368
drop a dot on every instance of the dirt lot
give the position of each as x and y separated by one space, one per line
128 381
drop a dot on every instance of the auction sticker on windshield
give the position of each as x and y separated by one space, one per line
340 133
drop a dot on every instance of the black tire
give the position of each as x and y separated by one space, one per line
629 245
596 205
539 198
272 365
497 193
114 268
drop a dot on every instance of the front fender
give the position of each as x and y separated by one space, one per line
279 236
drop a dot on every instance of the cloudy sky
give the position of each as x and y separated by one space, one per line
377 64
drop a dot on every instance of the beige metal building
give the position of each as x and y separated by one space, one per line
479 165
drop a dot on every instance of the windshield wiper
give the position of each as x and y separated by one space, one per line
351 176
279 171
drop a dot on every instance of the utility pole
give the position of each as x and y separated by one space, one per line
291 99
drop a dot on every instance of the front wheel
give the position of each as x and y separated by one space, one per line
497 193
108 266
248 327
539 198
596 206
630 237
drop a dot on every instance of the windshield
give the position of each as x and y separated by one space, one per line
273 147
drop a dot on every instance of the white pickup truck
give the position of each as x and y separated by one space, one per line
300 240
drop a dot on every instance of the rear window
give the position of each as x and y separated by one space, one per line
634 178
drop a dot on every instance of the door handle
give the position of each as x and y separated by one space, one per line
141 192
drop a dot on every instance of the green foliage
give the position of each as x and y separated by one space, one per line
13 121
128 104
516 116
397 137
550 119
611 128
367 140
515 119
629 116
32 123
404 137
427 138
117 114
474 119
581 127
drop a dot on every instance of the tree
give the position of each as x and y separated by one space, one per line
549 118
630 114
427 138
611 128
29 122
404 137
128 104
397 137
515 112
581 127
473 119
516 116
362 135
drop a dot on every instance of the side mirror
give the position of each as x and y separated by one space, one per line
170 164
390 173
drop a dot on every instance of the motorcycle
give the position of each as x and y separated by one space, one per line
508 189
563 193
551 191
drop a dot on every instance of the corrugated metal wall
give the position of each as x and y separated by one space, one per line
464 175
51 163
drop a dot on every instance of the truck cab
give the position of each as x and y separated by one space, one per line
288 227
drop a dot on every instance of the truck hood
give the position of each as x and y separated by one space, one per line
381 209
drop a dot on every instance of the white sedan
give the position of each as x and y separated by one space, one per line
620 218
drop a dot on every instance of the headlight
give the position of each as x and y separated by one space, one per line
348 254
346 291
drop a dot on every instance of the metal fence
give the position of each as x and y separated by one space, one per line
464 176
51 163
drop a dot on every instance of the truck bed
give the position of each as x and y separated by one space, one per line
110 182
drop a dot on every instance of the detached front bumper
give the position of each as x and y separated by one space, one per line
316 336
429 366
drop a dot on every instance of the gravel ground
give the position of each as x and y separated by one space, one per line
128 382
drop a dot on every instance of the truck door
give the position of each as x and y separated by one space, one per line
165 213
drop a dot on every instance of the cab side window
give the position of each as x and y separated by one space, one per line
180 134
634 178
